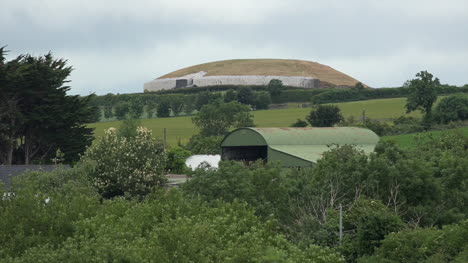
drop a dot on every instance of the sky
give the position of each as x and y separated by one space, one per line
115 46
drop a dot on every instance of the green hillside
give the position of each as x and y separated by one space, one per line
409 140
182 127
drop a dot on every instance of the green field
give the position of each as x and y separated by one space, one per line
409 140
181 128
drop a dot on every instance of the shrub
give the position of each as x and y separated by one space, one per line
41 208
299 123
126 166
452 108
171 228
324 116
176 160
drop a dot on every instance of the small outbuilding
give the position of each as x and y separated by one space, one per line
294 147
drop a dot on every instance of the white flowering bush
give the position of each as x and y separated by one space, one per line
126 166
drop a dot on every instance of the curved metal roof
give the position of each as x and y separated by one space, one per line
306 143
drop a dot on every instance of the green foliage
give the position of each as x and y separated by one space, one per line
299 123
199 144
128 129
151 108
126 166
275 87
245 96
262 101
264 187
36 115
177 104
176 160
422 93
169 227
164 109
217 118
41 208
136 109
231 95
424 245
205 97
108 113
121 111
452 108
366 224
359 86
324 116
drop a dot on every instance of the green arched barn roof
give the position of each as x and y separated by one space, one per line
307 144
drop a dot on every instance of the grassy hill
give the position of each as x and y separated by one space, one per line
182 127
272 67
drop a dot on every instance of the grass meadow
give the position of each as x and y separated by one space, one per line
181 128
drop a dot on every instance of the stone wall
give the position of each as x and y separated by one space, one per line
199 80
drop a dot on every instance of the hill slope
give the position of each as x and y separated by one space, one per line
181 128
268 67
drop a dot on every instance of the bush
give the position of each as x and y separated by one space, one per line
176 160
126 166
424 245
41 208
264 187
324 116
299 123
199 144
171 228
262 101
452 108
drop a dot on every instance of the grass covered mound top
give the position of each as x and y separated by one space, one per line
268 67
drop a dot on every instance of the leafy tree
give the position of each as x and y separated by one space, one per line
217 118
128 128
189 102
136 108
359 86
245 96
324 116
199 144
261 185
108 112
422 94
121 110
164 109
36 115
262 101
231 95
299 123
126 166
176 160
452 108
424 245
177 104
151 108
367 223
204 98
275 87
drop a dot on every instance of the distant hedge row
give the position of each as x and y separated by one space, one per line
290 94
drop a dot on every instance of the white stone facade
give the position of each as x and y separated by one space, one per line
198 79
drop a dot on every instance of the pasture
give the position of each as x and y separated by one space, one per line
181 128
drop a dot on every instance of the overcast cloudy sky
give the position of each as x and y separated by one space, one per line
116 45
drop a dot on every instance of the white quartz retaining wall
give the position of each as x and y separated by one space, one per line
244 80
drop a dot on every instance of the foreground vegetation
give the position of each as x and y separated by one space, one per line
398 206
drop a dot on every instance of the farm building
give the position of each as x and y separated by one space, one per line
294 147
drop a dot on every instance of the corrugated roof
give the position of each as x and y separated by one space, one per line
310 143
317 136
